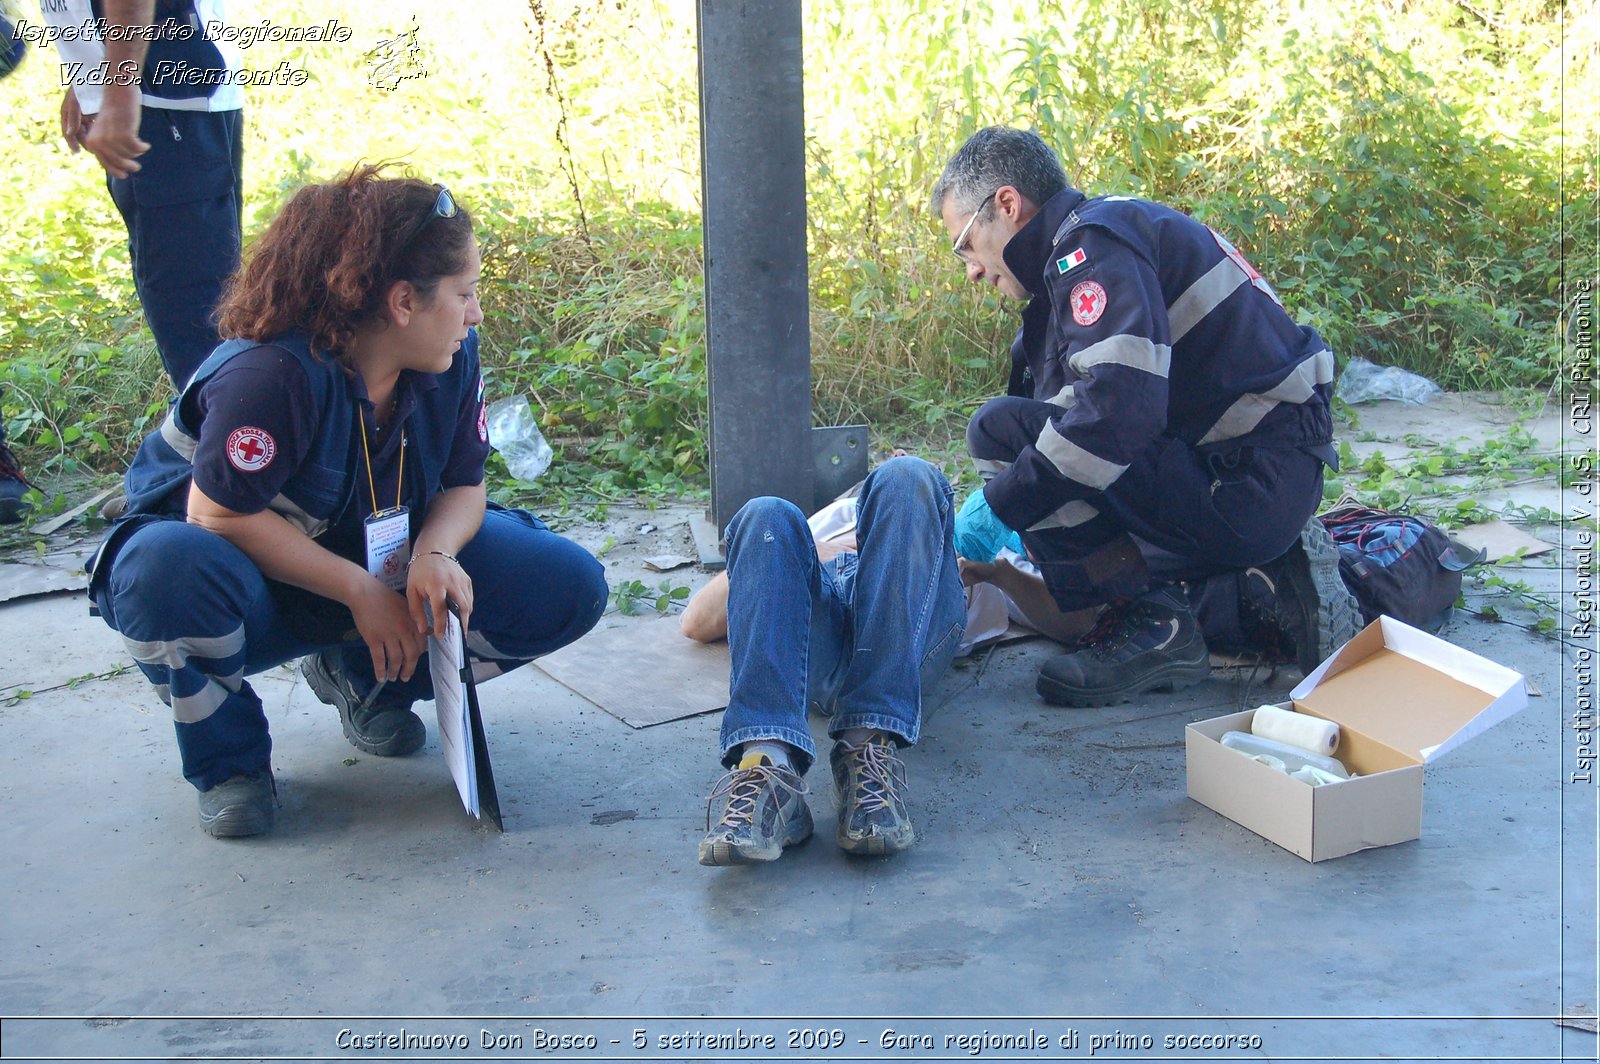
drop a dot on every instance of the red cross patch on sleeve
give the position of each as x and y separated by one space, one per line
1088 302
250 449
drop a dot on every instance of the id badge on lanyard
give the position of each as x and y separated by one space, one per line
388 531
389 545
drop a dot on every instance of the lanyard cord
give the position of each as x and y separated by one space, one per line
366 450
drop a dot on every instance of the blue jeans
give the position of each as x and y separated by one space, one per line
861 635
198 617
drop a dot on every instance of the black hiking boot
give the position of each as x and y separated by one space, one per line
1148 643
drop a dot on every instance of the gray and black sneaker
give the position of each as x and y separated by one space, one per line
765 812
869 785
240 806
383 729
1148 643
1299 602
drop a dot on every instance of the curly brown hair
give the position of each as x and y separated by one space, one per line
325 264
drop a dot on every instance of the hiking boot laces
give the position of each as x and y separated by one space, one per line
1115 627
880 777
742 786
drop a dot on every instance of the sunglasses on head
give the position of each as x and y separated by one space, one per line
444 206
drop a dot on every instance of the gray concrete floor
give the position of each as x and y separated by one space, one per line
1063 884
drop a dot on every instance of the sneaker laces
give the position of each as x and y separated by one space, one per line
880 777
742 786
10 470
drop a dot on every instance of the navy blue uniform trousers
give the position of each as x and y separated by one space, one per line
183 209
198 617
1176 514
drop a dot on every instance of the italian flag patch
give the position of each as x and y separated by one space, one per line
1071 260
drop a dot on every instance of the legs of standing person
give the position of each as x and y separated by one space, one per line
183 210
13 485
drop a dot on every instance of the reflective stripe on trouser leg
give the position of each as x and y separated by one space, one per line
189 605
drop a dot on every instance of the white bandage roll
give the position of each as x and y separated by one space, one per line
1296 729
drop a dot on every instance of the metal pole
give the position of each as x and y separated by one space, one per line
758 350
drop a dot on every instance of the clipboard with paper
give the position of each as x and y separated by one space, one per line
455 697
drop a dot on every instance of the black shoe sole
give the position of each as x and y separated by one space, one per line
1174 676
1314 578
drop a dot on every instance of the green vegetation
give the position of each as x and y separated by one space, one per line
1400 174
633 597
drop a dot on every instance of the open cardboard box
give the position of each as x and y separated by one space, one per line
1401 698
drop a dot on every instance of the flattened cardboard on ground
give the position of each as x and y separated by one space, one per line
1401 698
1499 540
23 581
643 671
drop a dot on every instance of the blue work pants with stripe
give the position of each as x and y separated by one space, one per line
199 617
1176 514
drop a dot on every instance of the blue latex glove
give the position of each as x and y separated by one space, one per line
979 534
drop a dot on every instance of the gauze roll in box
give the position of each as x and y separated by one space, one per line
1295 729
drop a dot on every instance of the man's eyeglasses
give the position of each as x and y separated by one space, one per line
444 206
960 246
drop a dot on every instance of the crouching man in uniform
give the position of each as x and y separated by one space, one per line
1165 429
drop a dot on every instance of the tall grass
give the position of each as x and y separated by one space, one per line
1396 171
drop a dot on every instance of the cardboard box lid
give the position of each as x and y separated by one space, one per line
1410 690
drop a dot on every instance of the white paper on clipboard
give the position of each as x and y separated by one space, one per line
445 658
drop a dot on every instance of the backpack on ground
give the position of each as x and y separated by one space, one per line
1398 564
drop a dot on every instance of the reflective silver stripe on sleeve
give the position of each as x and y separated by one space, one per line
287 509
989 468
1066 398
1202 297
1075 513
1075 463
1125 349
1248 410
176 438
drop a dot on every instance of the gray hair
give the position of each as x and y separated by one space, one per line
994 157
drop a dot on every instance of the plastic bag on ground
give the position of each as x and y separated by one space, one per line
1363 381
514 432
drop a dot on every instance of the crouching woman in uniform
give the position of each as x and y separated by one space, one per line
317 491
